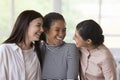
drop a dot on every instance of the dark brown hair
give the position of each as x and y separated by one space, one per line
89 29
20 28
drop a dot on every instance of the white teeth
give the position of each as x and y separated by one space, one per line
59 38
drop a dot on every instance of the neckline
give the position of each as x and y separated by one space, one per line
28 50
55 45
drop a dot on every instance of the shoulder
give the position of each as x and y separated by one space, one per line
105 52
7 46
3 47
70 45
71 48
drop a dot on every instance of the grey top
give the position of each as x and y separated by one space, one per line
61 62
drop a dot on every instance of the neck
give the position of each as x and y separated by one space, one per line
24 46
91 47
51 43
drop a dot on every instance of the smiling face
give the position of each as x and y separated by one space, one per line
56 33
79 40
34 30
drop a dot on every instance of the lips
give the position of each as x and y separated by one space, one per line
38 34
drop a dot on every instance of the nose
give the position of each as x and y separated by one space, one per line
62 34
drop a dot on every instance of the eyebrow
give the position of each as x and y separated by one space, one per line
58 28
39 23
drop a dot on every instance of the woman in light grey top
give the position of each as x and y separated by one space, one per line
61 60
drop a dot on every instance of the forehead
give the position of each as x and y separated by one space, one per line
77 32
36 20
58 24
77 35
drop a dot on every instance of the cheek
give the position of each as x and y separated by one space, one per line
50 36
76 42
79 43
32 30
52 33
64 35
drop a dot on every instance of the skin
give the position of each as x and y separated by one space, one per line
56 33
80 42
33 33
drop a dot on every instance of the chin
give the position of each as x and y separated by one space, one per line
77 46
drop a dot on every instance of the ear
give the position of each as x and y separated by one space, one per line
89 41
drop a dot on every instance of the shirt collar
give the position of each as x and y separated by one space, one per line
15 46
